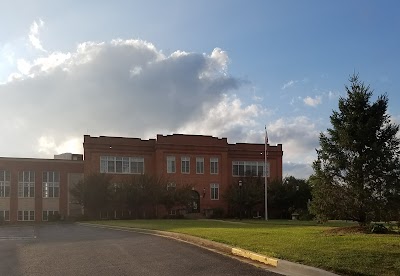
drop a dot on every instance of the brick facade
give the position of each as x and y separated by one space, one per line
14 203
153 152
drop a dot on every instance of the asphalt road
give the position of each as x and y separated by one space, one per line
69 249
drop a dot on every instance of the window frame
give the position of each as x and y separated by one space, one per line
5 183
214 165
240 168
200 161
185 164
26 215
171 186
171 164
47 212
51 184
5 214
26 184
122 164
214 191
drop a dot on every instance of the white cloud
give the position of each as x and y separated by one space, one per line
23 66
312 101
229 118
34 35
122 88
299 137
216 65
289 84
333 95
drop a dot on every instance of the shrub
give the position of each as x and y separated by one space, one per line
54 217
378 228
217 213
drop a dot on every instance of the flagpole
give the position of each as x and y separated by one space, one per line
266 174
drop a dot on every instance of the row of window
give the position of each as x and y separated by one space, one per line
135 165
185 165
126 165
249 168
26 184
27 215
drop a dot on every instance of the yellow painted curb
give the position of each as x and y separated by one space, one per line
255 257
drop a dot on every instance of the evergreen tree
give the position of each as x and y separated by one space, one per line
356 174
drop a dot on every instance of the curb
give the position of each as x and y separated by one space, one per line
255 257
275 265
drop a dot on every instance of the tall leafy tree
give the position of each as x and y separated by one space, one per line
356 174
288 196
247 197
94 193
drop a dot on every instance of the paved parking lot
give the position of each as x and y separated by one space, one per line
69 249
17 232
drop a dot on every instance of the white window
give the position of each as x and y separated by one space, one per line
172 212
214 191
26 215
26 184
171 165
48 214
126 164
171 186
118 164
51 184
199 165
122 165
103 164
4 184
214 165
5 215
137 165
185 164
249 168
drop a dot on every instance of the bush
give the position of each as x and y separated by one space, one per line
82 218
54 217
176 216
378 228
217 213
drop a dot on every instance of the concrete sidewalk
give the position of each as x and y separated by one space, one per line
272 264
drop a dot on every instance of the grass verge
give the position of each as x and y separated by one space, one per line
301 242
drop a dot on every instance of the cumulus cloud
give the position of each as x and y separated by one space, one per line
299 136
121 88
312 101
34 35
228 118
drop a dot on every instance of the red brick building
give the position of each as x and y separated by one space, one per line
33 189
206 163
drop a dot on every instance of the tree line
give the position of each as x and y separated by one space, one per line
135 197
141 196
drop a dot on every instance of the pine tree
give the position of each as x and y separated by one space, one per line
356 174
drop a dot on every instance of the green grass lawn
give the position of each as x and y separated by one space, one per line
301 242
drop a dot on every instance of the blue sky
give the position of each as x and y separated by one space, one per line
222 68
